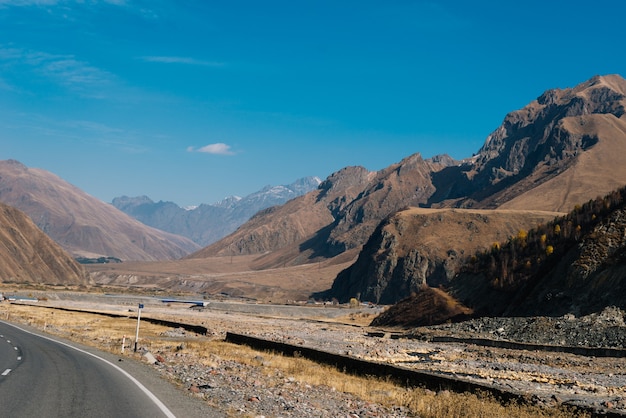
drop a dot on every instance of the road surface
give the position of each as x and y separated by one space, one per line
43 377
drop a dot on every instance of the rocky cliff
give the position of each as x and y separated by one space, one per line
414 248
571 267
553 146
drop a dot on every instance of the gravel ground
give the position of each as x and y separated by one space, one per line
244 390
604 329
549 377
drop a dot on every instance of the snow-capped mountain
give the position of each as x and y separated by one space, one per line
207 223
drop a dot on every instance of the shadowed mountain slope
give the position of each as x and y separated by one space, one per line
27 255
417 247
80 223
575 264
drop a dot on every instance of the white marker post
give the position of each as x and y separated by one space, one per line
138 318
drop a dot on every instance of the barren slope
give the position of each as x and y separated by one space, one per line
27 255
596 171
292 227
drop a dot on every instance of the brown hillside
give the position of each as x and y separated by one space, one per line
559 151
596 171
27 255
80 223
336 218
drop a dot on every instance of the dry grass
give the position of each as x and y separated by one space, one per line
107 333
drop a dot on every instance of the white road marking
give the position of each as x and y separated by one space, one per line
144 389
15 348
19 358
7 371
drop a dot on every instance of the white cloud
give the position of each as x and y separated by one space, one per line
217 149
65 70
52 2
28 2
181 60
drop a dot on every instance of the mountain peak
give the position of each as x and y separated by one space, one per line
595 92
613 81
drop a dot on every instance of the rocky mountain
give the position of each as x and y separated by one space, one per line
336 218
559 151
208 223
80 223
280 231
562 149
27 255
417 247
574 264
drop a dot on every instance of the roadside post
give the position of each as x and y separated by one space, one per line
137 331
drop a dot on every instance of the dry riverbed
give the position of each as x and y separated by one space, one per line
255 387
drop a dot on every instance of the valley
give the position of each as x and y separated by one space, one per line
231 277
448 267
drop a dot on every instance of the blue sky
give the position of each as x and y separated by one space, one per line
193 101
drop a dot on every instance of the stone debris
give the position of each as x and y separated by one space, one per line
549 378
246 390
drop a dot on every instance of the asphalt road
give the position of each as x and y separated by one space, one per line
43 377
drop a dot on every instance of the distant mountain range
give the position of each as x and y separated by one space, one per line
208 223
